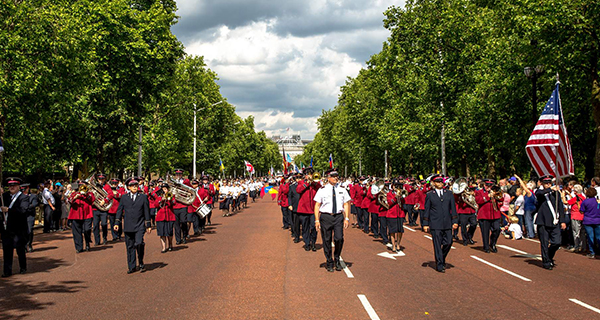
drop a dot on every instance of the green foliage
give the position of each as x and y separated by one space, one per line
460 63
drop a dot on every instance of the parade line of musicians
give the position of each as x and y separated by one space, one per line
381 207
174 206
378 207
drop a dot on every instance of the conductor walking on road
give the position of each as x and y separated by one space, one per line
550 220
134 209
440 216
332 209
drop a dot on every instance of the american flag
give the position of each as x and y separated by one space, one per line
548 148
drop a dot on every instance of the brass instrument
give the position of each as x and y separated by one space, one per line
180 191
381 195
102 202
461 187
168 196
316 177
497 195
83 188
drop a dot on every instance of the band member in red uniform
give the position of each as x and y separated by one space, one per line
143 188
466 218
374 213
282 200
165 218
210 189
356 193
112 212
307 189
488 215
394 217
382 214
419 208
153 187
81 216
192 217
202 197
100 216
409 204
180 210
366 202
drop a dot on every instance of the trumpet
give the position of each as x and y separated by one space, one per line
168 196
316 177
83 188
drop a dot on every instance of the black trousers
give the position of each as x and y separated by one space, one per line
48 216
196 222
295 225
30 225
359 217
383 229
100 220
468 225
490 231
286 217
366 215
332 226
550 240
10 242
420 214
375 224
309 233
116 235
181 229
134 241
81 229
442 243
408 210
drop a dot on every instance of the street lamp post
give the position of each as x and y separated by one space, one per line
534 74
195 111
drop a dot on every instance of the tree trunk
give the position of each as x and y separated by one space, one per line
491 159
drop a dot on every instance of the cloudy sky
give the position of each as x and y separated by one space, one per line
283 61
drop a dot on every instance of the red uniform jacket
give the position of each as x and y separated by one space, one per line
420 196
210 189
486 208
461 206
282 198
165 210
201 197
153 198
81 208
116 199
179 205
307 192
373 206
411 197
395 210
358 194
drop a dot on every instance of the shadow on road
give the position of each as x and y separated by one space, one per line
18 297
155 265
44 249
431 264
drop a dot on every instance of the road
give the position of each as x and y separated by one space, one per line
247 267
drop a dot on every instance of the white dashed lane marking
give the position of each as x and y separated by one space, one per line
372 314
500 268
585 305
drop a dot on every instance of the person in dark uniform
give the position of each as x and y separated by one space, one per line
307 189
488 215
134 210
550 220
181 211
49 206
13 226
117 193
440 216
210 190
33 203
293 199
332 210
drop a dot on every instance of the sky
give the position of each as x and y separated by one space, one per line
283 61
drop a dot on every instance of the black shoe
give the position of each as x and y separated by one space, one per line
87 249
104 241
441 270
313 248
23 271
184 241
548 267
494 249
130 271
29 249
455 238
471 241
306 248
6 275
486 250
178 242
77 251
465 243
338 266
188 236
296 240
329 268
376 237
142 268
163 251
170 249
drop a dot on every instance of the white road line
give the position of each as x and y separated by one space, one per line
585 305
500 268
428 237
413 230
532 240
520 253
372 314
346 270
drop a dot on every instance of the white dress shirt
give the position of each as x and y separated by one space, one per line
325 197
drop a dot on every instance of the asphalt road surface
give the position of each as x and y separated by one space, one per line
247 267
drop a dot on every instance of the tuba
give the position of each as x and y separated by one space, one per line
381 195
461 187
180 191
100 194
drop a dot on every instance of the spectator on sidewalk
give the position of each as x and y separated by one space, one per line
590 208
48 201
577 219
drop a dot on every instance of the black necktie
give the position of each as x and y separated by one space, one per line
334 201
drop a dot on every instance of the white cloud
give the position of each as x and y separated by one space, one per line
283 62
